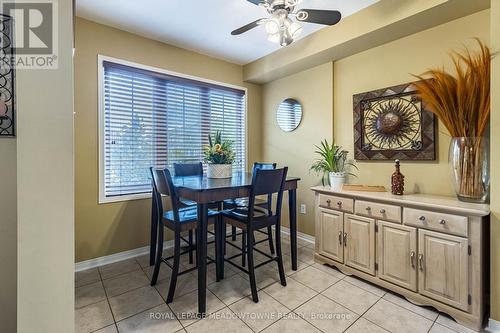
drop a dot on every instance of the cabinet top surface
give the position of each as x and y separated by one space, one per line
420 200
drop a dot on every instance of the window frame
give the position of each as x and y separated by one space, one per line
102 199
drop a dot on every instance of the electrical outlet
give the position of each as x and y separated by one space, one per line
303 208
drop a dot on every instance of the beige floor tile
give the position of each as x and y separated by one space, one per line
134 302
143 261
165 273
185 284
314 278
364 326
329 270
351 296
86 277
293 295
89 294
186 307
117 268
259 315
306 255
438 328
365 285
424 311
231 289
157 320
125 282
452 324
221 321
287 264
108 329
291 323
326 315
397 319
93 317
265 275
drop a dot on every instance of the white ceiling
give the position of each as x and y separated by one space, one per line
203 26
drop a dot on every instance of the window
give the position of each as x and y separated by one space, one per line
153 118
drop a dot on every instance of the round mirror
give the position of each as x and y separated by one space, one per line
289 114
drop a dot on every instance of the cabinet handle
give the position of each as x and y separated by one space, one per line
368 208
340 237
421 261
328 202
442 221
412 259
345 239
421 218
382 211
339 203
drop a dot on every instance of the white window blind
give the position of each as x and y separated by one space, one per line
155 119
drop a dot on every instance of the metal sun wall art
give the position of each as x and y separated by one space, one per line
7 116
393 123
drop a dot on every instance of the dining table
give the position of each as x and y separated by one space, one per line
204 191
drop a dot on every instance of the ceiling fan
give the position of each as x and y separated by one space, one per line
280 27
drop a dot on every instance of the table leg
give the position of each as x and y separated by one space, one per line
201 254
292 206
154 232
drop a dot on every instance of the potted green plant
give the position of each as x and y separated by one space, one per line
332 162
220 156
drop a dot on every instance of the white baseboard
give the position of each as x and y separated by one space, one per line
101 261
493 326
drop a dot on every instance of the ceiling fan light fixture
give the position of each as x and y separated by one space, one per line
273 25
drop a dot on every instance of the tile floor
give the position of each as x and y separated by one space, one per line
318 298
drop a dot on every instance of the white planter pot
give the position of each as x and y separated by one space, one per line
337 179
219 170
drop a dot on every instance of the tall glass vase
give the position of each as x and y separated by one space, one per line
469 161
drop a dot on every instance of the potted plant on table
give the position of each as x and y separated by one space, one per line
462 103
220 156
332 162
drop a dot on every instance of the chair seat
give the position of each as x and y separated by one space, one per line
188 214
243 202
188 203
239 216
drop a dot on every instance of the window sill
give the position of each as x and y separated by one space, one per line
130 197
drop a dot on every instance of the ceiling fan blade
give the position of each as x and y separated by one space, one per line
245 28
255 2
326 17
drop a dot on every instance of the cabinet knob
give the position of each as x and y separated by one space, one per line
339 203
421 218
328 202
382 211
368 208
442 221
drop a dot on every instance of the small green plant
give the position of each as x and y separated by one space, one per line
332 159
219 151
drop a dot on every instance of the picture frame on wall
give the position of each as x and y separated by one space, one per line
393 123
7 77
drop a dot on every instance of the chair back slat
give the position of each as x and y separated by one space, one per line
188 169
266 166
164 185
268 182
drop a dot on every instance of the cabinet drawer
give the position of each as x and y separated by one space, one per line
334 202
453 224
378 211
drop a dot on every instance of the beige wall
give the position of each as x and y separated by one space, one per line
376 68
8 234
110 228
45 191
495 162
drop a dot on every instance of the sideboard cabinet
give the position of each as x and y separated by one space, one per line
429 249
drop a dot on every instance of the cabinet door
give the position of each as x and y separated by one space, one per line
397 254
443 268
359 243
331 235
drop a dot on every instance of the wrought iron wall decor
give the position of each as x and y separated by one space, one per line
7 105
393 123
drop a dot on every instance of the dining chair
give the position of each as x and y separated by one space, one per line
178 219
264 203
252 218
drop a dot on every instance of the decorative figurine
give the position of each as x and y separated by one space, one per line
397 181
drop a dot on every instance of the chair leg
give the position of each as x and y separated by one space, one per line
251 270
224 232
281 269
270 239
243 247
175 269
190 239
233 234
159 255
218 248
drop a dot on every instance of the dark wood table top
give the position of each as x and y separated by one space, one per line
204 190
